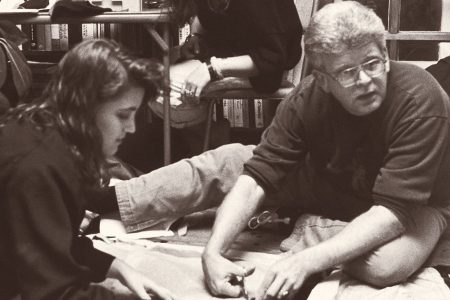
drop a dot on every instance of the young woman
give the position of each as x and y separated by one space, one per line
53 156
256 39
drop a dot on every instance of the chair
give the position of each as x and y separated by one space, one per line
233 87
241 88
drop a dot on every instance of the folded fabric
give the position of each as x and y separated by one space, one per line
68 8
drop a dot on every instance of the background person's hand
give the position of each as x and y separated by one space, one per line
137 282
194 84
219 274
191 48
284 278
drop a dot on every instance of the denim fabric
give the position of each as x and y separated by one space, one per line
396 260
159 198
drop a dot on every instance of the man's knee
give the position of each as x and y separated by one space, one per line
381 275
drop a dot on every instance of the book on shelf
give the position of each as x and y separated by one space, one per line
241 113
55 37
63 37
183 33
228 110
259 114
88 31
40 36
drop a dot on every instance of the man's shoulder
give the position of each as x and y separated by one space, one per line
407 75
414 87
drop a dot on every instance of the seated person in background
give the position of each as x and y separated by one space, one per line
258 39
364 140
441 71
53 155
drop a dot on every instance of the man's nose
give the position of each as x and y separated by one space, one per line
363 78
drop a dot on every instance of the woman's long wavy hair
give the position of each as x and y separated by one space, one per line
88 75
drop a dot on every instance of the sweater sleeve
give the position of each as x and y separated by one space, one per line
275 48
282 145
42 233
412 164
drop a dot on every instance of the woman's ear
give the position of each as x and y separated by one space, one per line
322 80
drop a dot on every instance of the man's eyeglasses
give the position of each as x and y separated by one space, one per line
349 77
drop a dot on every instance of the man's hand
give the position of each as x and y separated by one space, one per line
284 278
219 274
137 282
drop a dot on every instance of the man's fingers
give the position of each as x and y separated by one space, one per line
139 290
275 289
228 289
248 270
162 292
267 281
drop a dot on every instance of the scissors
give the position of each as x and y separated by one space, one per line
264 218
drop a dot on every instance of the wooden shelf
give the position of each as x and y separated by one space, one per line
148 16
435 36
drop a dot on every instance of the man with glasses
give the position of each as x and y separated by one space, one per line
363 140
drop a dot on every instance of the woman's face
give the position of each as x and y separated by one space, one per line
115 118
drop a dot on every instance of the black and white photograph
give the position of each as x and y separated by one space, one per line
225 149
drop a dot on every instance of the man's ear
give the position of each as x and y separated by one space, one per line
323 82
386 55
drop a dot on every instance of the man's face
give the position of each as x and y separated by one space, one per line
368 91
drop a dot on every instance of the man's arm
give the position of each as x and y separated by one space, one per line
368 231
232 217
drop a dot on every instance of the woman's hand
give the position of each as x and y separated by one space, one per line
136 281
88 217
194 84
284 278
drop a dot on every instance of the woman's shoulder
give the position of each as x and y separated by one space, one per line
22 141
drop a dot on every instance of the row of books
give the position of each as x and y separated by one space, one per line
56 37
51 37
48 42
246 113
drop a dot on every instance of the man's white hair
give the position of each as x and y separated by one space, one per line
341 26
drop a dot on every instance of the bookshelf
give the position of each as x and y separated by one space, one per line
149 19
